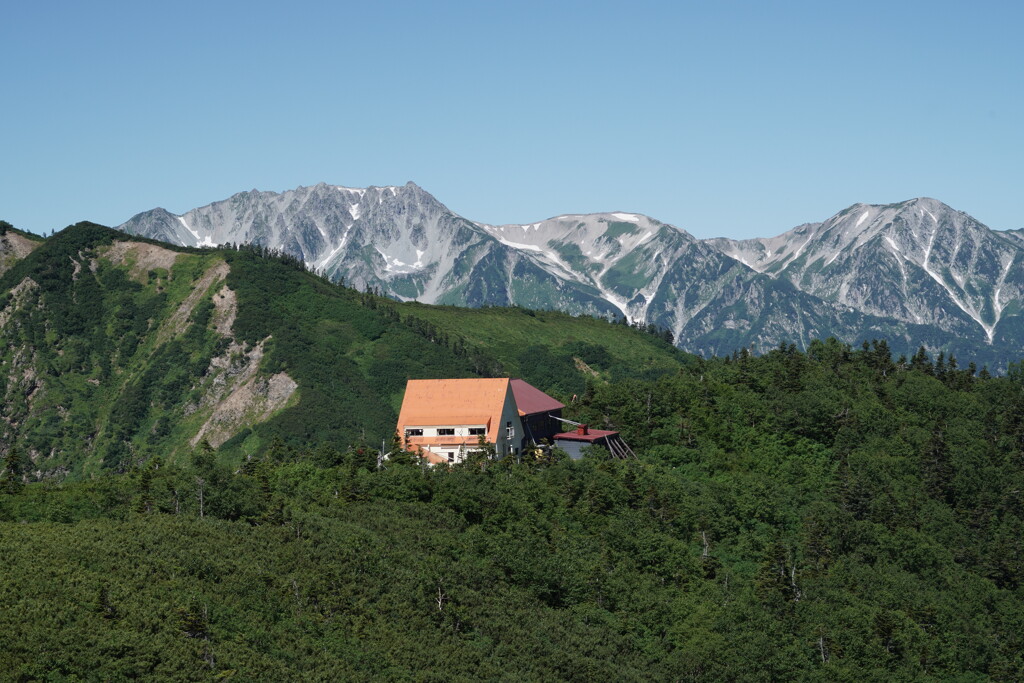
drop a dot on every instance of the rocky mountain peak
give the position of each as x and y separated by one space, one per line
919 261
912 265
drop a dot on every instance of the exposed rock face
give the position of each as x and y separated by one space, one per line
239 395
14 247
917 272
225 308
398 239
235 393
140 256
1016 235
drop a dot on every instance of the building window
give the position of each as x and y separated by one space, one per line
510 431
446 431
451 456
477 431
414 432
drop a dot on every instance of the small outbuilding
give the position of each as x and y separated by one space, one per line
575 441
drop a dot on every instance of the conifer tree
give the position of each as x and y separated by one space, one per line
921 361
145 502
12 471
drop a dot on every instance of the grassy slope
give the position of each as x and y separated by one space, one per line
350 357
506 332
352 353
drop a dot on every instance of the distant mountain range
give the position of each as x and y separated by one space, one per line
915 273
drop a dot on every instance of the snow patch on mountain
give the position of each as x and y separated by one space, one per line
839 262
520 245
181 219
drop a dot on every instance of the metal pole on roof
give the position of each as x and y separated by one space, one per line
562 419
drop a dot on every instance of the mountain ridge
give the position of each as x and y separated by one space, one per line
860 240
919 270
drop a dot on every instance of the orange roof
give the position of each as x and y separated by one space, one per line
454 402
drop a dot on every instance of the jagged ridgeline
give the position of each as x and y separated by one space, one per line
116 350
914 273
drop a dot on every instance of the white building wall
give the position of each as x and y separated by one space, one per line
460 430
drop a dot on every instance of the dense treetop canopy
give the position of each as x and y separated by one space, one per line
829 515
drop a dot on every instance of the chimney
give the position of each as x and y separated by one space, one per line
582 430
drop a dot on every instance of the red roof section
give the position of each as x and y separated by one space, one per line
530 400
591 435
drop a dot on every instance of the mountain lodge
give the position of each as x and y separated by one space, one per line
444 419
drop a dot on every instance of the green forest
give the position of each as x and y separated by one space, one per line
829 515
833 514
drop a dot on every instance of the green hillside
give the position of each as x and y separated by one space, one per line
119 350
549 348
190 490
99 344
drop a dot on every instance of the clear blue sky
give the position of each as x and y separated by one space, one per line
723 118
